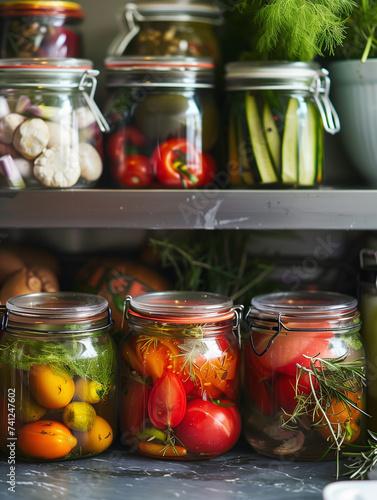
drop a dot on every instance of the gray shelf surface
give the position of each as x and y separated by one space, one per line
192 209
240 474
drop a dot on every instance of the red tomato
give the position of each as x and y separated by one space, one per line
289 349
209 168
209 428
123 140
133 171
167 402
177 163
133 407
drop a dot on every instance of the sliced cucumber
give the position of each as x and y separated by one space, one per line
308 147
290 144
272 135
258 142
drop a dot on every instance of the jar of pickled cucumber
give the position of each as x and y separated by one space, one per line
276 117
58 377
163 122
50 127
46 28
179 373
185 28
304 375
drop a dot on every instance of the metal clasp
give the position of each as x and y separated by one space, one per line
320 87
89 81
280 325
4 318
238 310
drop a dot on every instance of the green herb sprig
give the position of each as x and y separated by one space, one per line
364 459
298 30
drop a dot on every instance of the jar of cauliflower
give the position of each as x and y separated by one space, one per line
50 127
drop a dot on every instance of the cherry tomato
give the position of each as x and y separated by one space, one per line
51 390
45 439
342 417
98 439
209 168
209 428
167 402
133 171
123 140
177 163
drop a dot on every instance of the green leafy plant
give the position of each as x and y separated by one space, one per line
361 34
294 30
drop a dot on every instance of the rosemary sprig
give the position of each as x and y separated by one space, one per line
330 380
364 459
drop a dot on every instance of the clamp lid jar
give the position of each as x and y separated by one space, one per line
163 122
50 127
58 376
304 375
180 360
277 114
40 29
183 28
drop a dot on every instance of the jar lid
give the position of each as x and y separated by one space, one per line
181 307
157 71
176 10
304 304
41 8
249 74
36 63
57 305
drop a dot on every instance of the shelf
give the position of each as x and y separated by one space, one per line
192 209
239 474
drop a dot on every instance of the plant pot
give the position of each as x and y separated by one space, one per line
354 94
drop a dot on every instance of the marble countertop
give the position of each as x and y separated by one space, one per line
240 474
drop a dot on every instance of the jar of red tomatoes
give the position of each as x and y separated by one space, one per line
47 28
58 384
163 122
304 377
180 375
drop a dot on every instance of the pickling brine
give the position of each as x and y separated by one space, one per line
180 376
58 377
304 376
277 115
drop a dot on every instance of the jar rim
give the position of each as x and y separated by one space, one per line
41 8
45 64
158 63
181 306
57 305
309 304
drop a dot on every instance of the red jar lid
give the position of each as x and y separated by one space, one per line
43 8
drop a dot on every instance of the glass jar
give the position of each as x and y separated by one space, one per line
169 28
50 127
58 368
304 375
277 114
32 28
368 312
179 373
163 122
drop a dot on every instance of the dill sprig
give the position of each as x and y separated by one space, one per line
299 30
361 36
86 358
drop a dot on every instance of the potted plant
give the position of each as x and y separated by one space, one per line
353 73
